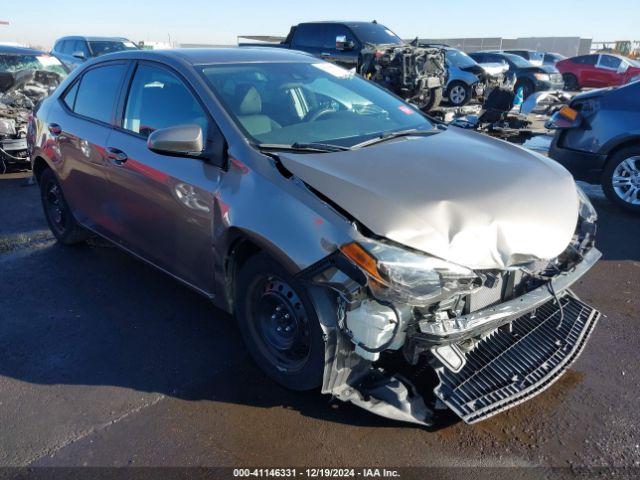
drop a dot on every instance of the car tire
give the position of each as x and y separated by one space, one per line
459 93
434 100
527 88
279 324
570 82
621 179
61 222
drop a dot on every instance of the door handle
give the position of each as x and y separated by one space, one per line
117 156
55 129
325 54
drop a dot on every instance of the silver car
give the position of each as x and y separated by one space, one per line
407 267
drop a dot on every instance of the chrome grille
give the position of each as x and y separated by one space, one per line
511 365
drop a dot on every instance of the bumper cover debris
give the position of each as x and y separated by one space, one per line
511 365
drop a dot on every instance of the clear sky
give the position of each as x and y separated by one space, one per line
198 21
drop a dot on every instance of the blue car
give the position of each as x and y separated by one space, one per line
598 141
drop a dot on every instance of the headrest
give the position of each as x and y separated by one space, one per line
249 98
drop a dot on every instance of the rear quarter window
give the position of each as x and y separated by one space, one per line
98 92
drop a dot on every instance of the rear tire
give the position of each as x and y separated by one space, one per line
570 82
57 212
459 94
621 179
279 324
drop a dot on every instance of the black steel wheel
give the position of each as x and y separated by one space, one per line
570 82
57 212
279 324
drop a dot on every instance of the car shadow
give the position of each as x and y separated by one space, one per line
104 318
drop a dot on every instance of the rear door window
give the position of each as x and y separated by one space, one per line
586 59
159 99
310 35
98 92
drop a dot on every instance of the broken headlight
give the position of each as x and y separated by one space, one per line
399 275
585 208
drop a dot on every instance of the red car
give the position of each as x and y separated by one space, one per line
597 70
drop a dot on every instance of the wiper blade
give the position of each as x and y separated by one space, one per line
400 133
303 147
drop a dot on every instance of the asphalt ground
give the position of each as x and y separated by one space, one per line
106 362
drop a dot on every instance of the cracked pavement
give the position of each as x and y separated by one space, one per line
106 362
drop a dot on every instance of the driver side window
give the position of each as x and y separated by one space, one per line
158 99
609 62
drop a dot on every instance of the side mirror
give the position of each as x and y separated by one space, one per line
624 66
179 141
564 119
343 44
79 55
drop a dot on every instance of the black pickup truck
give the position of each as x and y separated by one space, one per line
417 74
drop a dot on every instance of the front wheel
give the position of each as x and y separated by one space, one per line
459 94
279 324
57 212
621 179
431 100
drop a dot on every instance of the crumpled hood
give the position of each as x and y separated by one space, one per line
458 195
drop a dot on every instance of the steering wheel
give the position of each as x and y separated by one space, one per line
318 112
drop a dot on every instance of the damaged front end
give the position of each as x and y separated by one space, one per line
20 92
416 74
418 336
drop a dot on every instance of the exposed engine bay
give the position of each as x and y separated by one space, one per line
483 343
20 91
418 337
417 74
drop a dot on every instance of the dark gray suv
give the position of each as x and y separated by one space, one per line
363 249
600 143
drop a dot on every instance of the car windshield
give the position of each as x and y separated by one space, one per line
517 60
302 103
375 34
633 63
459 59
14 63
101 47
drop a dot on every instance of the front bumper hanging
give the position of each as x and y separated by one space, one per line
513 364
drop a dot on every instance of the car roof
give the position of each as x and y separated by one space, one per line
11 50
521 50
339 22
206 56
93 38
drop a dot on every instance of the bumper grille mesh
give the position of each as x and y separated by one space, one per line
510 366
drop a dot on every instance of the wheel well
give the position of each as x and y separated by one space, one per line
632 142
241 250
39 166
